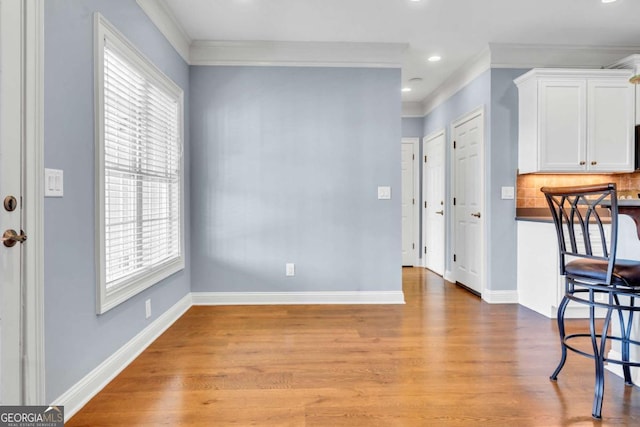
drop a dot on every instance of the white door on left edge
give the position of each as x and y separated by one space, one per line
10 210
409 232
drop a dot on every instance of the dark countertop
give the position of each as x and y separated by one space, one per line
533 214
629 207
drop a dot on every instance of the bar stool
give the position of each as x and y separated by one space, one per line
593 276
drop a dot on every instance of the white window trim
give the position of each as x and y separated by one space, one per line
107 300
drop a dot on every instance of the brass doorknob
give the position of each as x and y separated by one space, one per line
10 238
439 212
477 214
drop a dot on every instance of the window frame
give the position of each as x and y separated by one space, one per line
138 282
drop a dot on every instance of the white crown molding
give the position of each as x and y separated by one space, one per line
81 392
572 73
459 79
286 298
301 54
412 109
505 55
632 61
271 53
163 18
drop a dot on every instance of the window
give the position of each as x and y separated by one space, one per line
139 170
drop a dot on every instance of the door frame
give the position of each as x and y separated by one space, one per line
31 102
423 217
415 142
451 271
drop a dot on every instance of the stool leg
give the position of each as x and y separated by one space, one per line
598 358
561 310
625 348
625 333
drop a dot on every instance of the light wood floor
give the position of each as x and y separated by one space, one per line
444 359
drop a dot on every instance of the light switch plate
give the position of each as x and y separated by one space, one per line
384 193
508 193
53 183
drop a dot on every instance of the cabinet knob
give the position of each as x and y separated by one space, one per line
582 163
594 163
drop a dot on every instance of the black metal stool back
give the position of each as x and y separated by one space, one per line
587 249
582 237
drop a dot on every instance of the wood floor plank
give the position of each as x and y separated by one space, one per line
445 358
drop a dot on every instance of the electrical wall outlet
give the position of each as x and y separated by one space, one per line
147 309
290 269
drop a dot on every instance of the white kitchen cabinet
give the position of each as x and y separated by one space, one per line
575 121
538 274
540 285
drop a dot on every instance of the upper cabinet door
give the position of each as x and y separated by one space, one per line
575 121
561 125
610 121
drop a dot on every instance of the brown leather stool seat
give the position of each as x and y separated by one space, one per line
625 272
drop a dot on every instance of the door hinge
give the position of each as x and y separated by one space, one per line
425 159
454 201
413 246
413 157
454 257
414 201
425 205
425 249
454 145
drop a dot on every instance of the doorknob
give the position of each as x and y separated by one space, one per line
477 214
439 212
10 237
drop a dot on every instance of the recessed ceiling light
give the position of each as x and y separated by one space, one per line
415 80
434 58
406 89
608 1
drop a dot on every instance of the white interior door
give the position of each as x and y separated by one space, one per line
409 194
10 185
468 136
433 213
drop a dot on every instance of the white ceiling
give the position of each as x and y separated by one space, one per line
457 30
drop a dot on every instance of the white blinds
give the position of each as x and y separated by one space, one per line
142 150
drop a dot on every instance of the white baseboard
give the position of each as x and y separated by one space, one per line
449 277
288 298
80 393
85 389
500 297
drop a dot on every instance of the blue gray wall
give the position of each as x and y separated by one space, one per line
285 168
412 127
502 166
78 340
475 94
494 89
